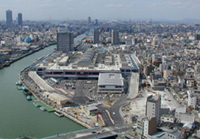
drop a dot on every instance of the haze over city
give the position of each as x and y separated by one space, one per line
100 69
102 9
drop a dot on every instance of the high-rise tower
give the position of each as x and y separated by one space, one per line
9 20
96 36
115 37
89 20
65 42
20 22
153 106
96 22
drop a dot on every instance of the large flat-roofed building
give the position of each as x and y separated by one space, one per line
110 83
88 64
65 42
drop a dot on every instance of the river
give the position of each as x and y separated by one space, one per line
19 117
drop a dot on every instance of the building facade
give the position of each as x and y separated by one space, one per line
89 20
96 22
65 42
153 107
115 37
146 126
20 22
9 20
193 100
110 83
96 36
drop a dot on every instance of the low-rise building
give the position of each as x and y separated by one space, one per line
91 110
193 100
168 118
110 83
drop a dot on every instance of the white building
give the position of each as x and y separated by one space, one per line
184 117
192 99
91 110
153 106
168 118
163 67
110 83
174 135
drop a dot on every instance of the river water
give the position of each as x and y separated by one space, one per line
19 117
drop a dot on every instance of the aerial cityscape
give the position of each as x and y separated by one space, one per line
86 76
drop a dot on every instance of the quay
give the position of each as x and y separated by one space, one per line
24 77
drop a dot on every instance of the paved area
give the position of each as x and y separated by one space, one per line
171 97
133 85
40 82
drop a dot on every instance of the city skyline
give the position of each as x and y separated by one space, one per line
102 10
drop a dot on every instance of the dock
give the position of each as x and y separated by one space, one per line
44 106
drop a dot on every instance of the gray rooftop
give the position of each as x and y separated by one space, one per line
110 79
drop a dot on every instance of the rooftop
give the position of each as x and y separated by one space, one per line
93 60
110 79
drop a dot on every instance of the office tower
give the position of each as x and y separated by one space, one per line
65 42
115 37
9 19
19 20
96 36
89 20
153 106
96 22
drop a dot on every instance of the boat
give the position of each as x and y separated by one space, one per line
18 83
27 92
42 108
29 97
19 88
58 114
35 104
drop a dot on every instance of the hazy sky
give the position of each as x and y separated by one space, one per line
101 9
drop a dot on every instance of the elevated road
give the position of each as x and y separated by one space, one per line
94 133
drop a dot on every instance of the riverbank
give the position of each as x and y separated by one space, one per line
40 47
24 83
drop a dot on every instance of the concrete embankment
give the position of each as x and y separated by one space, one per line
24 55
34 93
74 119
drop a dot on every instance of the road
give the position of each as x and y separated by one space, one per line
169 94
133 85
115 109
87 134
102 109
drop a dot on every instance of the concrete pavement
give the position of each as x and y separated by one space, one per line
40 82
